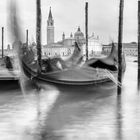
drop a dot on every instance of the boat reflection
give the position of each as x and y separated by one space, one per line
62 110
119 119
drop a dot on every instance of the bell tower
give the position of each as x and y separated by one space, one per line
50 28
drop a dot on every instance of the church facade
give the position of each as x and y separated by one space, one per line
65 47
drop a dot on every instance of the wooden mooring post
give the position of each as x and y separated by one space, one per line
138 44
120 37
27 38
2 42
38 33
86 28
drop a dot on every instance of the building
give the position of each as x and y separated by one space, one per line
65 47
57 50
79 37
106 49
69 41
94 46
130 49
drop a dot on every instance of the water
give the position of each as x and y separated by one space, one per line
66 113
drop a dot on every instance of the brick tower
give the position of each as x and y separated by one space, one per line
50 28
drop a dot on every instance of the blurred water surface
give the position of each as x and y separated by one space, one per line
50 112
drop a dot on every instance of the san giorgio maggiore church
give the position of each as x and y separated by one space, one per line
65 47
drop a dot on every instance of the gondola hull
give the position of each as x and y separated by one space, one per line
73 76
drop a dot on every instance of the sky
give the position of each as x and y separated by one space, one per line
69 14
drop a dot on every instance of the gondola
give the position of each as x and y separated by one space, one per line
90 72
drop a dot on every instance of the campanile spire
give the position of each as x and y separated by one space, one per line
50 28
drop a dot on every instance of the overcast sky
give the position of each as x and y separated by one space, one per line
69 14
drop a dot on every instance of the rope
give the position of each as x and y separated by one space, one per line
111 77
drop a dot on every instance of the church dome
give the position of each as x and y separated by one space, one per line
79 34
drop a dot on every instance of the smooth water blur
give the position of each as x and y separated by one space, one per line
49 112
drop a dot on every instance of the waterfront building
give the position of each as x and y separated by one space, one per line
65 47
57 50
106 49
130 49
94 46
